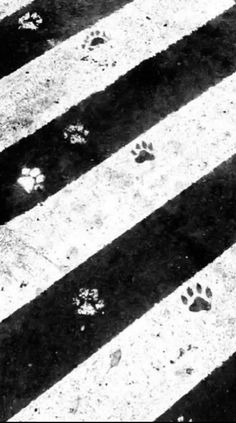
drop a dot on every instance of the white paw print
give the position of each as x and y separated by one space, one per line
30 21
88 302
31 179
76 134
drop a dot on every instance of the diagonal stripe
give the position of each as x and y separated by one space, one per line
7 7
91 212
68 73
164 355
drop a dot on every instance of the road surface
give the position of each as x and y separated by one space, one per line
117 219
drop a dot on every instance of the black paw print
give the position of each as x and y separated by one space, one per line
94 39
144 152
198 302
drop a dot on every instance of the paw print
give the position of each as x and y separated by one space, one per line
31 179
30 21
76 134
94 39
88 302
200 300
143 153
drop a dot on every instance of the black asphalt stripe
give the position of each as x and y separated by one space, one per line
42 342
118 115
61 19
213 399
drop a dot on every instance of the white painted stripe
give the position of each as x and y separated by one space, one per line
48 86
104 203
20 265
7 7
165 354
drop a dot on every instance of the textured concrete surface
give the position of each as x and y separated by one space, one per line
43 24
7 7
120 192
50 336
71 71
153 168
215 398
20 266
158 359
116 116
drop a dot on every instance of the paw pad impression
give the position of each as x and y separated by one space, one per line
88 302
31 21
94 39
143 152
31 179
76 134
197 299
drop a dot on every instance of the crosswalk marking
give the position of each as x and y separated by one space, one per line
91 212
164 354
137 270
7 7
70 73
212 400
20 265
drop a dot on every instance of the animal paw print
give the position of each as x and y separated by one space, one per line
31 179
30 21
143 152
200 300
94 39
88 302
76 134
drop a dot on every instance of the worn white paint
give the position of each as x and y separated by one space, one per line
165 354
7 7
20 265
31 21
49 85
104 203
